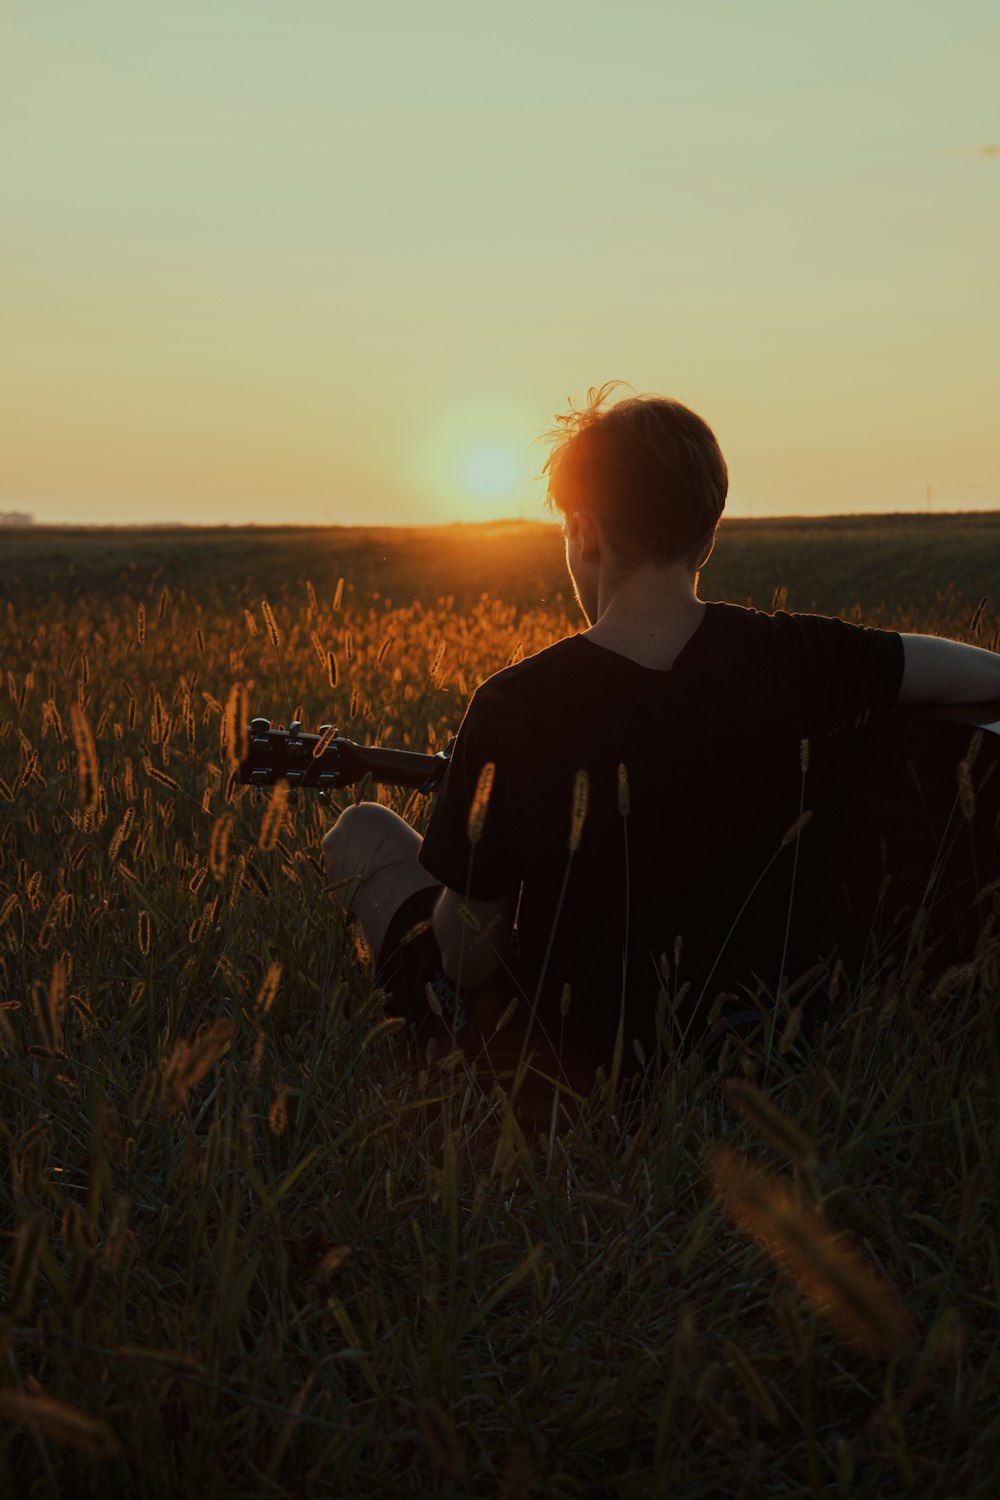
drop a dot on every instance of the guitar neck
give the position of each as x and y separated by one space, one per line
399 767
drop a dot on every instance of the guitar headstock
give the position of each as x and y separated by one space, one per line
321 760
324 761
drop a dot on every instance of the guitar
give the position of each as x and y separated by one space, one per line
326 761
910 835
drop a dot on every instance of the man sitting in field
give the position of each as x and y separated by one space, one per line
642 817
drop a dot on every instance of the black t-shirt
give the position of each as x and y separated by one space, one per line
713 755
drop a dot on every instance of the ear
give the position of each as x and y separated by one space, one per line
708 549
583 535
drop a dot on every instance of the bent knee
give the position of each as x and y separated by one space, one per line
364 837
343 844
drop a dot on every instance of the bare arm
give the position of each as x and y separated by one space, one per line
941 671
473 945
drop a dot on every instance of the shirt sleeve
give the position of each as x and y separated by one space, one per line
487 869
847 676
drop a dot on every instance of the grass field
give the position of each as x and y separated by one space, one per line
249 1251
832 564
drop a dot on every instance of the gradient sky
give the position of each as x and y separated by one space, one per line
312 261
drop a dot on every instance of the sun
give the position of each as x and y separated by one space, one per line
472 461
489 471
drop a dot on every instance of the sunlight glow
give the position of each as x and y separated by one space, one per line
490 472
476 459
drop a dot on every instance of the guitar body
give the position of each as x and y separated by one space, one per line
914 839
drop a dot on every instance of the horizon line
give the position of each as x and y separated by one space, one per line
171 525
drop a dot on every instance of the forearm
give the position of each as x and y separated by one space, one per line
942 671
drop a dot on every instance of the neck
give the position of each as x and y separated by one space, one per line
647 613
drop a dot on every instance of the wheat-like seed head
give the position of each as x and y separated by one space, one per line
480 802
506 1015
966 789
581 794
331 1262
772 1122
277 1117
57 999
268 990
362 947
218 846
190 1061
835 1278
233 726
271 623
160 777
270 828
792 833
325 740
790 1031
88 772
59 1421
387 1027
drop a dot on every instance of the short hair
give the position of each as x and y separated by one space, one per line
648 469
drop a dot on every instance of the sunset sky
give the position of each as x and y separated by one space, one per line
324 262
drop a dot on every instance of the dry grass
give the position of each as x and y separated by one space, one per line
249 1253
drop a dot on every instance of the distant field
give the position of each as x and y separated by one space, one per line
882 563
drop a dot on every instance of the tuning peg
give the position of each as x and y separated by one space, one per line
259 726
295 729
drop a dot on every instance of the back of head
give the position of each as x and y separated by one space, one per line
646 468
